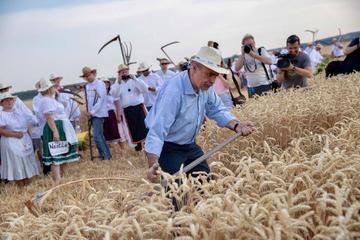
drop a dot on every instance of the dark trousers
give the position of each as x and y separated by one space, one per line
174 155
259 90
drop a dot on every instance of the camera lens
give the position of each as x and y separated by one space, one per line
283 63
247 49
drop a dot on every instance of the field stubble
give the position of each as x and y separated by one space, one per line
296 177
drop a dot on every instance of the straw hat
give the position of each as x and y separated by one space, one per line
44 85
123 67
4 86
6 95
54 77
211 59
86 71
143 66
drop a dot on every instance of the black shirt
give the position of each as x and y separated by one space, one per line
352 61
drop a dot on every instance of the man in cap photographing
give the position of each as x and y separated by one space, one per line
179 112
129 91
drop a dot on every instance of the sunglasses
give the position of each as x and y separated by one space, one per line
164 63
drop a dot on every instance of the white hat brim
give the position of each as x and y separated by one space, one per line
143 69
5 87
213 67
6 96
44 89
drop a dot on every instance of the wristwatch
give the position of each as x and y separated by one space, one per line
235 126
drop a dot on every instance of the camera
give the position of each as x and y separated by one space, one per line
248 48
125 77
184 66
284 61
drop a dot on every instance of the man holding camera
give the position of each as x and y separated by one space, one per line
253 60
294 68
129 90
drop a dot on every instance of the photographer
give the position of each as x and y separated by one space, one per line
253 60
294 68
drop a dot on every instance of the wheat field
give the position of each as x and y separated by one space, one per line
296 177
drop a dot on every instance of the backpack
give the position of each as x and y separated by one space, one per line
241 99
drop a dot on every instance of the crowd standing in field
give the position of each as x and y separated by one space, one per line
161 112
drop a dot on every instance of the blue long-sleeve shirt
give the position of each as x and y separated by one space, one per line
179 112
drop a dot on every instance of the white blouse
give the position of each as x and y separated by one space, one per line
130 92
17 120
110 102
50 105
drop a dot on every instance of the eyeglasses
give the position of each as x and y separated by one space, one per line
164 63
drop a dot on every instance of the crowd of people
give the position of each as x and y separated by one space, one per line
158 111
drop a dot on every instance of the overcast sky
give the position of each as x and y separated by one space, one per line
46 36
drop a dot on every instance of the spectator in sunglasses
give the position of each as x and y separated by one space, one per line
164 72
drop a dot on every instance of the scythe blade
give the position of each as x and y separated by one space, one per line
112 40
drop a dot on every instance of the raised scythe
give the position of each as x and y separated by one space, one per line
125 49
166 45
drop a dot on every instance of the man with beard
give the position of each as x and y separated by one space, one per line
179 112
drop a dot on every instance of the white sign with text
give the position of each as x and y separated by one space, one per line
58 148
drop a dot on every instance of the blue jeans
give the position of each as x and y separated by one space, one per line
98 132
173 155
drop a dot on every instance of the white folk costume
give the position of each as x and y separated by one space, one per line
111 130
65 129
152 80
71 107
130 93
36 131
17 155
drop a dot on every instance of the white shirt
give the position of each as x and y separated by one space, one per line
20 105
255 73
315 58
130 93
165 76
308 50
152 80
17 120
96 98
36 130
71 107
110 102
336 50
50 105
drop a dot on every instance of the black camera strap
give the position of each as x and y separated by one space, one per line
266 72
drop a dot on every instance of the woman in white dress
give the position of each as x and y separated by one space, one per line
18 159
57 130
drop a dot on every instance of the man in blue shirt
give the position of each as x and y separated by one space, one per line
179 111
